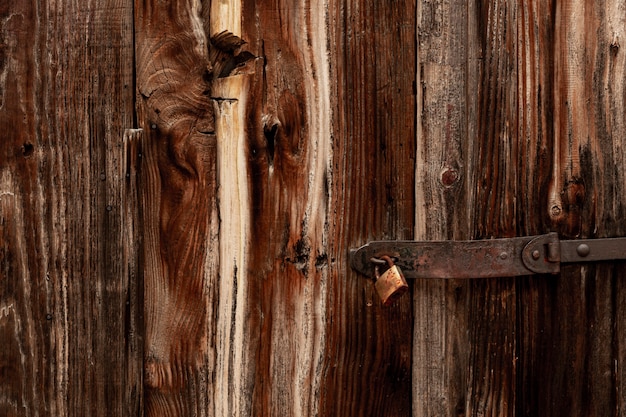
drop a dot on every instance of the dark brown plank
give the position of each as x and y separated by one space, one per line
495 173
67 96
321 136
287 157
372 61
129 168
546 157
178 192
574 324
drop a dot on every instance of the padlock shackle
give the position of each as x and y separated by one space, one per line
388 259
378 261
383 260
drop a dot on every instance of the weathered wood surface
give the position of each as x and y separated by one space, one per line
292 331
372 197
179 206
241 190
441 349
326 117
68 313
577 322
540 148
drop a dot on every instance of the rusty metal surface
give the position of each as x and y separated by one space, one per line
593 250
447 259
486 258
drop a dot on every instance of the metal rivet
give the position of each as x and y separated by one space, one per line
504 255
583 250
536 254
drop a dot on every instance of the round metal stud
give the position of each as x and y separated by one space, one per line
583 250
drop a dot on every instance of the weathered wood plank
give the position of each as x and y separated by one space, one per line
287 160
66 97
541 154
372 61
16 318
131 230
575 324
441 348
313 335
179 207
495 161
233 364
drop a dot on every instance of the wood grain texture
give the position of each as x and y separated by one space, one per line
441 347
179 206
496 160
287 153
576 323
129 169
549 83
174 230
540 153
372 61
318 342
233 364
66 97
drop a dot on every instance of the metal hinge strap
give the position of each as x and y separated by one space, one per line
508 257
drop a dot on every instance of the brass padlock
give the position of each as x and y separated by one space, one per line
391 284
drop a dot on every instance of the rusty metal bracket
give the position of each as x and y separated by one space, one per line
508 257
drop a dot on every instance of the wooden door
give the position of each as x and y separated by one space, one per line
520 132
176 207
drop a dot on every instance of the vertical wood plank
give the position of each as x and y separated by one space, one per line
16 319
497 159
321 343
535 45
574 325
372 56
514 145
132 233
441 348
288 156
234 365
66 97
179 207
